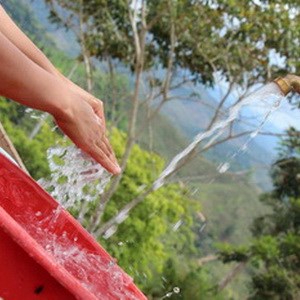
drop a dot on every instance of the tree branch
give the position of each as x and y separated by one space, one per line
139 65
230 276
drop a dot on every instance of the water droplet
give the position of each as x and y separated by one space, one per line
35 117
109 232
120 243
75 239
54 128
254 134
177 225
223 167
28 110
277 103
245 147
176 290
38 213
111 263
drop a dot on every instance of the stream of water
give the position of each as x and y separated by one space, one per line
269 92
72 173
269 96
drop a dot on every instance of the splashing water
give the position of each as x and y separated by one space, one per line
177 225
176 290
79 262
74 176
269 92
270 95
224 167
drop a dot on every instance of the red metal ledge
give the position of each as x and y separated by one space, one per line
49 255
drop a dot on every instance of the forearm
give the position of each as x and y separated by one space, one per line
23 43
25 82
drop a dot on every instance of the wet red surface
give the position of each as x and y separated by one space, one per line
45 253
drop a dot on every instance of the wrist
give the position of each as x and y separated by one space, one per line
59 103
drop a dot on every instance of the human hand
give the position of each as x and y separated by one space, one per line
83 124
97 107
96 104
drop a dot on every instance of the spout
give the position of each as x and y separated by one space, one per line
288 83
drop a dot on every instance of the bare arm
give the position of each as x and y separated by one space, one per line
29 84
21 41
25 45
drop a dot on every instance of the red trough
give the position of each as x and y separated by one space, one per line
45 253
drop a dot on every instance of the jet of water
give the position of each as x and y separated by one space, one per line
270 91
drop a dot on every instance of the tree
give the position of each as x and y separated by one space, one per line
167 45
170 44
274 254
70 14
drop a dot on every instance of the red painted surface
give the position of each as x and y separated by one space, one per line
29 270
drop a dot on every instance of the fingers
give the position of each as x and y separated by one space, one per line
102 153
106 148
99 155
107 151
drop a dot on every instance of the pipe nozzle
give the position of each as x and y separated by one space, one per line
288 83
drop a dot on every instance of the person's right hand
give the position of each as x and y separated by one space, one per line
85 128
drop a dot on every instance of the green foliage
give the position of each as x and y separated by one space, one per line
274 281
286 169
210 37
230 253
18 124
275 252
230 205
114 89
193 282
147 238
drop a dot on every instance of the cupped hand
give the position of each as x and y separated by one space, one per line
96 104
84 125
